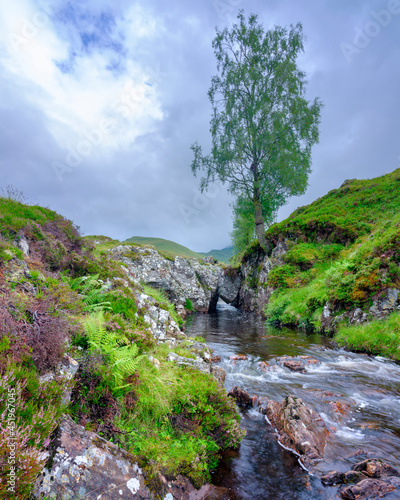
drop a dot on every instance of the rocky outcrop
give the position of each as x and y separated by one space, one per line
201 282
300 428
84 465
371 478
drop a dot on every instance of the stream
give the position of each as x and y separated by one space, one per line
357 396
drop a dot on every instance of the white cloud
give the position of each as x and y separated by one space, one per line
76 102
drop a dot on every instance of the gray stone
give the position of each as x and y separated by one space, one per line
383 306
23 245
197 364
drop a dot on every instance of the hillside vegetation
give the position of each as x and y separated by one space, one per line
172 249
64 296
344 253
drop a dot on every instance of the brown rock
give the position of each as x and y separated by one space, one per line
301 428
374 467
366 489
332 478
219 374
263 366
215 359
242 397
238 357
353 476
253 399
269 408
295 365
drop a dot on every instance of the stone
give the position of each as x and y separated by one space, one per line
197 364
219 374
262 365
352 476
238 357
383 306
301 428
269 408
86 465
332 478
215 359
366 489
242 397
200 281
294 365
374 467
22 243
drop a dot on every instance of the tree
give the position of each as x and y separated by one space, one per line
262 126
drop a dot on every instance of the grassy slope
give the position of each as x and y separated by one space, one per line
344 249
174 418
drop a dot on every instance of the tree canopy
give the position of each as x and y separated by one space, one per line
262 126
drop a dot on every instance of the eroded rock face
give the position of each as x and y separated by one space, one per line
200 281
86 465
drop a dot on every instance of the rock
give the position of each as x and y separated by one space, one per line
263 366
366 489
374 467
200 281
242 397
280 250
197 364
301 428
238 357
215 359
219 374
86 465
383 306
229 283
294 365
269 408
352 476
22 243
332 478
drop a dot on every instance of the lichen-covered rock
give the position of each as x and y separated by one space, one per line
86 465
197 363
383 306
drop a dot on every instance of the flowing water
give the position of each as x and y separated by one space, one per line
356 395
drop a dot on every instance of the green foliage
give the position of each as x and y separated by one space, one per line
188 305
262 126
122 355
163 302
91 291
243 224
376 337
170 247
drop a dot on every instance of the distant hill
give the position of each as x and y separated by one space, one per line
172 248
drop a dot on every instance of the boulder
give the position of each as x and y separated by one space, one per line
383 306
242 397
219 374
294 365
301 429
86 465
366 489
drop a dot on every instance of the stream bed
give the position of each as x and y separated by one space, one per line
358 397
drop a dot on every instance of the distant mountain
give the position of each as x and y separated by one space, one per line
171 248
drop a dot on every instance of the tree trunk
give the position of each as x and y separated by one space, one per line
260 227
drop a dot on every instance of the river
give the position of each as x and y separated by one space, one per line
357 396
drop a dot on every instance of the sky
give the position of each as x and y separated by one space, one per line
101 101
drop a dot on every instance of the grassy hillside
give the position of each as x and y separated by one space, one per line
344 250
172 249
66 297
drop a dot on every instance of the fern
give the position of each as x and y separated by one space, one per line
90 289
122 355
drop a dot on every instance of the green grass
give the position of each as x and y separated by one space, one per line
349 261
376 337
170 247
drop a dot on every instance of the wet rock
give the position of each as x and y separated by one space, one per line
263 366
219 374
353 476
366 489
242 397
301 429
86 465
254 399
294 365
269 408
332 478
238 357
215 359
374 467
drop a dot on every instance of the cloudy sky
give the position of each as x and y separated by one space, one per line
101 100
